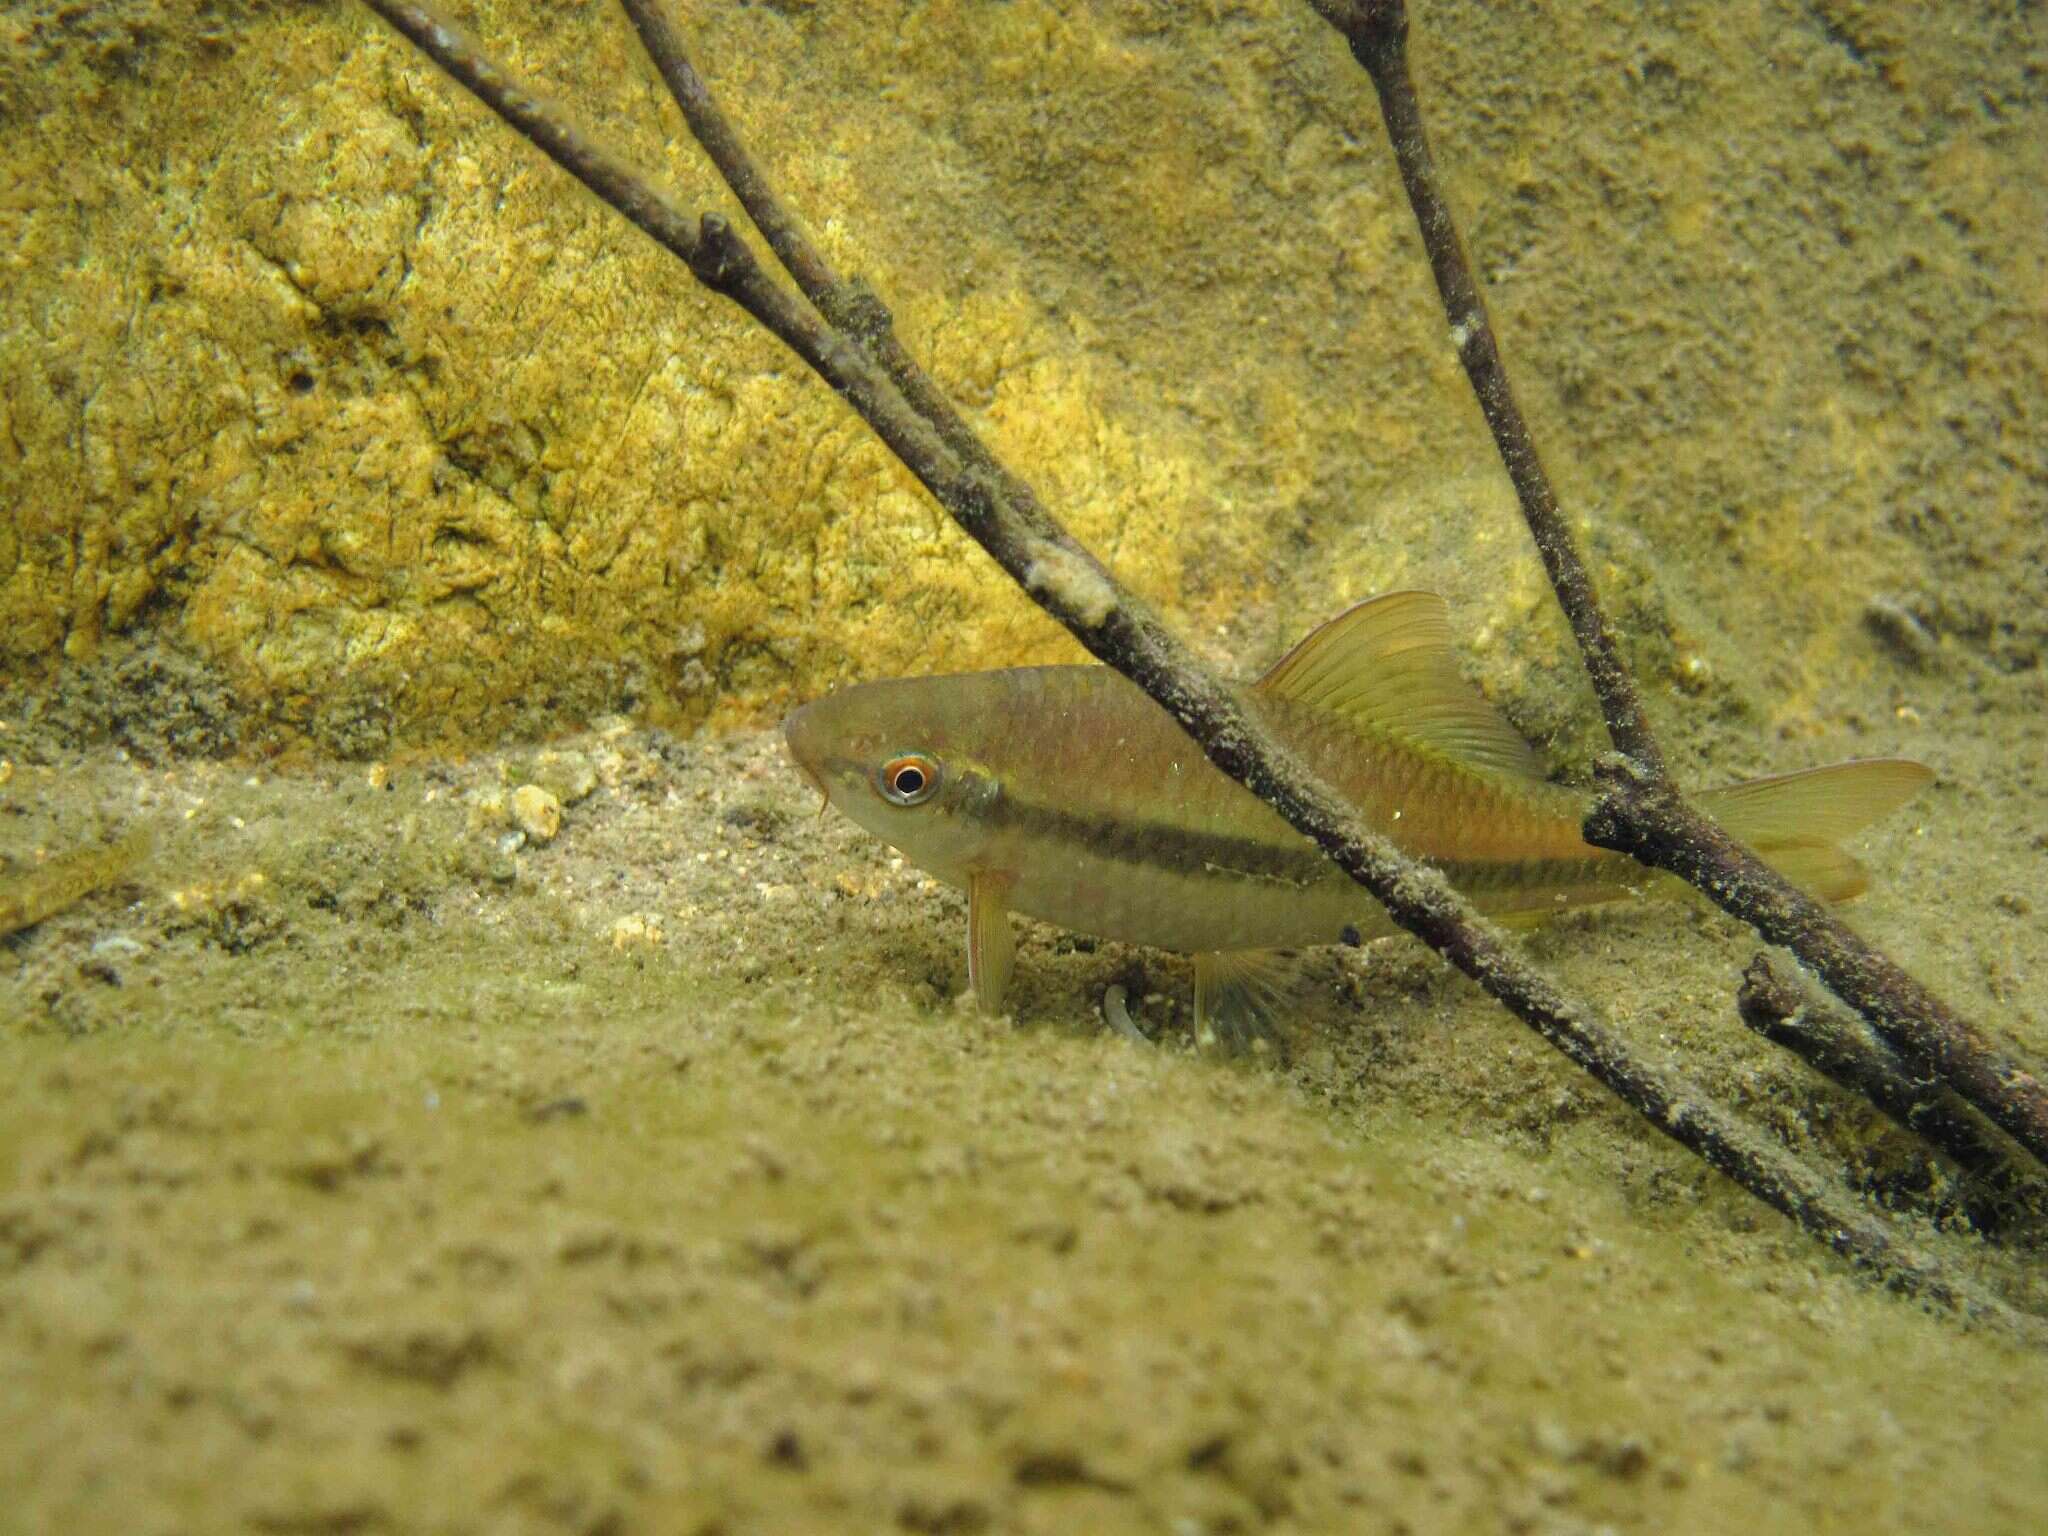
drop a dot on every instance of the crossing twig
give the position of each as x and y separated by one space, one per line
1065 580
1641 811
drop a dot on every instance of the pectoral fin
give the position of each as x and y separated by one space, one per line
1238 994
991 946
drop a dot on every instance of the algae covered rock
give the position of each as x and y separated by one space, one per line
316 371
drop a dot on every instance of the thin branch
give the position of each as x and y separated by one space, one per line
1652 823
1071 586
1377 31
848 304
1641 812
710 127
1841 1049
542 124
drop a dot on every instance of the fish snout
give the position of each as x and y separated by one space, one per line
802 736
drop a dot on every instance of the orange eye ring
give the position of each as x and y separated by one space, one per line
908 780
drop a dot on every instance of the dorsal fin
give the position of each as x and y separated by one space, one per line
1387 664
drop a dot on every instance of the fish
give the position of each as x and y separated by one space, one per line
1065 794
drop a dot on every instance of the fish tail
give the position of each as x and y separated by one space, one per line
1796 822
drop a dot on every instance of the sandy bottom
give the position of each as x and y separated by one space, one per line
363 1169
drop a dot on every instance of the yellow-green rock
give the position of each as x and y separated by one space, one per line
314 369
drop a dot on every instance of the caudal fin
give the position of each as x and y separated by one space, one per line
1796 821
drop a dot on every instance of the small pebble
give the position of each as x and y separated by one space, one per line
538 813
488 808
569 776
1118 1017
637 930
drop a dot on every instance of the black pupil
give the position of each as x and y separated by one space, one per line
909 779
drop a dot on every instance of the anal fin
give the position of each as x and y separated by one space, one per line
1238 997
991 946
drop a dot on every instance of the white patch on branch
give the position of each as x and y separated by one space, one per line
1071 581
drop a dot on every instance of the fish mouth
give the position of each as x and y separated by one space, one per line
802 763
817 783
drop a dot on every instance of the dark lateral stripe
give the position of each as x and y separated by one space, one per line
1186 851
1160 844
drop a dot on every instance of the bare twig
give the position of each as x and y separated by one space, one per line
1377 31
1843 1050
848 304
1641 812
1651 822
1070 585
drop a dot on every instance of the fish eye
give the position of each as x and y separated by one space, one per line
908 780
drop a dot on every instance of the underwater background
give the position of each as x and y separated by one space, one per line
485 1097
